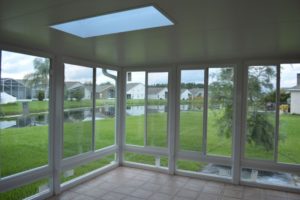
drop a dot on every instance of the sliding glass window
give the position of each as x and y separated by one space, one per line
24 113
206 97
147 116
78 110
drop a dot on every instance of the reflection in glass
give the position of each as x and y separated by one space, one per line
24 110
135 110
78 106
289 118
220 111
105 112
191 110
157 122
261 112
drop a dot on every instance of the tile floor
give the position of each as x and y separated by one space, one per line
135 184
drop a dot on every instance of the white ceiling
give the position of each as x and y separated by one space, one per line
204 30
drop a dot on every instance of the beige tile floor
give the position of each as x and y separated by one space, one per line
135 184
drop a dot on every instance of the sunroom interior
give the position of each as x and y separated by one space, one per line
211 93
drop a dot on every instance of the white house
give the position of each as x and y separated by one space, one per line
295 97
71 86
157 93
135 91
197 92
185 94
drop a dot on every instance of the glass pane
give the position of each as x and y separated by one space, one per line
157 109
105 112
158 161
135 108
271 178
78 106
204 168
220 111
26 191
86 168
24 112
289 124
261 112
191 110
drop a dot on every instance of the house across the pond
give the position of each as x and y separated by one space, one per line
295 97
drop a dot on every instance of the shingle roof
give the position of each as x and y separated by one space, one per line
295 88
129 86
196 91
155 90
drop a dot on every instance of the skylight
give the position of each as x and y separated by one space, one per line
118 22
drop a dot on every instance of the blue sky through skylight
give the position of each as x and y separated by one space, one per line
124 21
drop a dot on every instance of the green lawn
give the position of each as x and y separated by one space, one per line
30 144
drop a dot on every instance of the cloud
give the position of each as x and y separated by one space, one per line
16 65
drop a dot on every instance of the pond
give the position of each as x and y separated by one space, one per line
84 114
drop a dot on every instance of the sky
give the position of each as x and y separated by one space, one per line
16 66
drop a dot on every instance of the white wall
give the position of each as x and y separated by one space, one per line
137 92
295 102
159 95
185 95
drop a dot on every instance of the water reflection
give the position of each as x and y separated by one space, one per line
72 115
85 114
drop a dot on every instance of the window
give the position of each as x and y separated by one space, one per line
78 110
191 110
135 109
206 98
105 111
261 113
157 109
139 18
220 111
289 114
272 125
24 129
147 117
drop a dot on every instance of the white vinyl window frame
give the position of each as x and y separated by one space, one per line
203 156
148 150
94 154
260 164
37 173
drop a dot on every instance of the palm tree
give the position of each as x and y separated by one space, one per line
39 79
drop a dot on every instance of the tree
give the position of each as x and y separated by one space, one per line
77 93
221 93
41 95
39 79
259 129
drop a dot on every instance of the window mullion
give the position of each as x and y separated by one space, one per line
146 109
93 109
276 136
205 107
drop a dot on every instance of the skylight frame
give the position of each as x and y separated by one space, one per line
157 14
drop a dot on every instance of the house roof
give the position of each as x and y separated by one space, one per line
295 88
71 84
129 86
155 90
101 88
183 90
196 91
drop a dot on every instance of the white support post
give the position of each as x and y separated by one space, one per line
121 111
237 121
276 136
205 107
172 120
56 121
